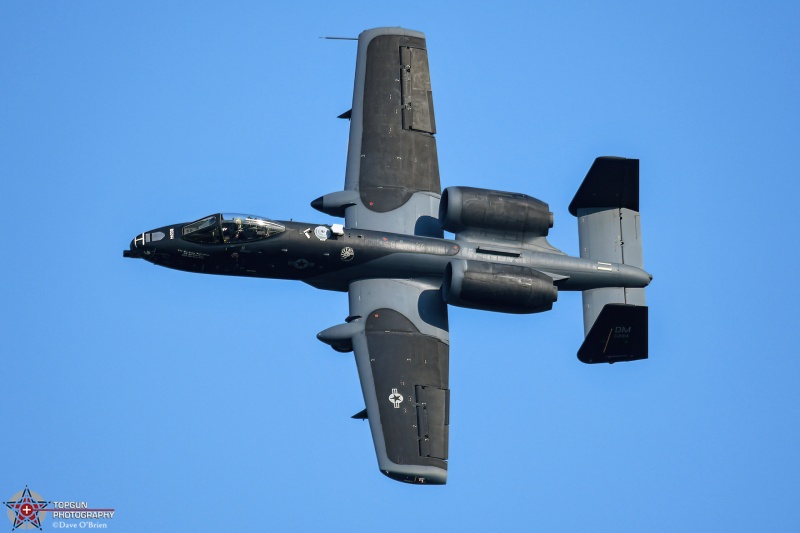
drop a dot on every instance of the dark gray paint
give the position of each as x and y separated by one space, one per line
417 98
469 209
497 287
403 359
619 334
610 182
396 161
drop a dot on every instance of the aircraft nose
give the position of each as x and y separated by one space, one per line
132 251
139 247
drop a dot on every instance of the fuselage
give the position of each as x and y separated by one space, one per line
331 257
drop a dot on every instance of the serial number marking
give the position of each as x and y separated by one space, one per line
192 255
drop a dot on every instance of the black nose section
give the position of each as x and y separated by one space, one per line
133 250
140 246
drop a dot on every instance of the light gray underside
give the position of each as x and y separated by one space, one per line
609 236
418 216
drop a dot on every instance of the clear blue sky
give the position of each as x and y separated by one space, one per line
120 386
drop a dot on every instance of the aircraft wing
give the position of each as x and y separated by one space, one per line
392 177
402 353
397 327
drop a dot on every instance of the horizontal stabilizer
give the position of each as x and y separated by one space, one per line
610 232
361 415
618 334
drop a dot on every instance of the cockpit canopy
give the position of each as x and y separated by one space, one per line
229 228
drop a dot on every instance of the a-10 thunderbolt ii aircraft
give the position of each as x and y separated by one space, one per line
399 271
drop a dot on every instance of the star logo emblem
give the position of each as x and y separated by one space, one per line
301 264
396 398
26 510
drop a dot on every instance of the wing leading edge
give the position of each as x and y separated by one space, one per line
402 354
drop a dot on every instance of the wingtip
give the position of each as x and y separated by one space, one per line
438 478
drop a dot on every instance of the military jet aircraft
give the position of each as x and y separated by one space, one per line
399 271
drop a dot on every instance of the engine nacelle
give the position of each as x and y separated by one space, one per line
497 287
463 208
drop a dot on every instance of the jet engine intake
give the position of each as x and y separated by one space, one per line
463 208
497 287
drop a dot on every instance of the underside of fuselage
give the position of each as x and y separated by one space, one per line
324 256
